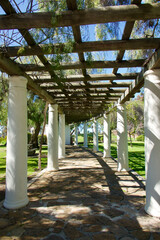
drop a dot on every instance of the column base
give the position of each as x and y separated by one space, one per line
52 169
123 169
86 146
152 211
61 157
15 205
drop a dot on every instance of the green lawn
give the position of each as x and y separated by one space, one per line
136 157
135 154
32 162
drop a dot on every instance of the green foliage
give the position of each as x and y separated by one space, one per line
44 139
140 138
29 135
135 117
3 140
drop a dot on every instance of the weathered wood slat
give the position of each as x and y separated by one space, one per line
110 45
91 64
11 68
92 77
98 85
81 17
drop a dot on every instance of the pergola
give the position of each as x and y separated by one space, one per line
79 97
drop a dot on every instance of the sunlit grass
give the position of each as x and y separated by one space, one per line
136 155
32 162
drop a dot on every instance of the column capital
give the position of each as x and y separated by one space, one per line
17 81
153 72
53 107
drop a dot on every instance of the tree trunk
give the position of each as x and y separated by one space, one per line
130 136
41 141
34 138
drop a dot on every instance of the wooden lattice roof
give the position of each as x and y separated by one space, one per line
84 93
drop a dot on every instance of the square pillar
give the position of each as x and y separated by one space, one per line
106 136
152 140
52 163
85 135
95 135
16 160
122 138
61 143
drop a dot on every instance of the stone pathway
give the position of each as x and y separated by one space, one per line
87 199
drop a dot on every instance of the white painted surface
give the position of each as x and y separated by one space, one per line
122 138
61 142
52 163
76 135
152 140
16 161
95 135
67 135
85 135
106 136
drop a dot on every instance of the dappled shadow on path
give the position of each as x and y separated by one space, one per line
86 199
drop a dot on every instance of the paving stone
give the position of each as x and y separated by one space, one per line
106 236
53 237
141 234
113 212
72 233
129 224
80 202
4 223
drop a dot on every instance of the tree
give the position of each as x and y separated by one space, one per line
35 116
135 118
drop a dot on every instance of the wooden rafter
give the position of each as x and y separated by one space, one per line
80 17
110 45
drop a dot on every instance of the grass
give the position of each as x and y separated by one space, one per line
32 162
136 155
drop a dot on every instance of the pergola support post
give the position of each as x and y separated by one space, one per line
52 163
95 135
152 140
85 135
76 135
122 138
67 135
61 145
16 161
106 136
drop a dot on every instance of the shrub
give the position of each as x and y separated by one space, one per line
44 139
3 140
90 138
140 138
100 138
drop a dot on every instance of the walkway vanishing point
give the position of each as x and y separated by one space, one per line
87 199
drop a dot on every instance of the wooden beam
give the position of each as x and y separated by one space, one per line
91 77
11 68
110 45
98 85
91 64
152 63
81 17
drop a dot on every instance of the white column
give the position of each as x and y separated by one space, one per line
53 137
16 161
85 135
67 135
95 135
76 135
152 140
106 136
122 138
61 145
